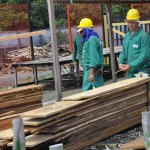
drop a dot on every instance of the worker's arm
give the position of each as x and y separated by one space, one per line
91 75
74 53
96 54
122 56
144 54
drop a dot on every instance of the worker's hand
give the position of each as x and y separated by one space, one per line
91 75
122 67
127 68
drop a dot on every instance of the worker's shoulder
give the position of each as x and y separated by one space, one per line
94 38
143 33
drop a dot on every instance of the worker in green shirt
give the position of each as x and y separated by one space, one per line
77 49
92 56
134 58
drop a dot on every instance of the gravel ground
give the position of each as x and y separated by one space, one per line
114 142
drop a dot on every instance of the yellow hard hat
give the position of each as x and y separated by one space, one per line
85 23
132 15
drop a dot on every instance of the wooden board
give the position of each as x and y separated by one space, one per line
136 144
99 135
79 124
130 99
35 139
107 88
19 89
8 134
51 109
22 35
23 101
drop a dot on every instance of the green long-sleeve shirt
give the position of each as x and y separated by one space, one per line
92 56
77 49
136 52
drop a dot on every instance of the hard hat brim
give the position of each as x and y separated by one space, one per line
126 20
79 30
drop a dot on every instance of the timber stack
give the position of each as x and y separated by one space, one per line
83 119
18 100
24 54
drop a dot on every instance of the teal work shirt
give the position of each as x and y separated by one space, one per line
92 56
77 49
136 52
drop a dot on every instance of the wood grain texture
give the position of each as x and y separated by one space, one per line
107 89
136 144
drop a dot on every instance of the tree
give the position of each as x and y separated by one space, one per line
39 12
9 17
92 11
119 11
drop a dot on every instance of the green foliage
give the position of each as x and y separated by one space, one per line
79 11
8 16
60 15
61 23
119 11
39 12
60 11
62 37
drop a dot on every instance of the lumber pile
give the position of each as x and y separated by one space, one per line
18 100
45 51
24 54
83 119
15 56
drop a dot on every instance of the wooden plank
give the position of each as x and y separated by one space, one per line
7 114
22 35
100 126
20 95
117 115
51 109
3 143
23 108
35 139
95 113
107 89
18 102
19 89
91 108
8 134
6 122
125 23
99 135
136 144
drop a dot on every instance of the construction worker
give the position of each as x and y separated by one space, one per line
134 58
77 49
92 56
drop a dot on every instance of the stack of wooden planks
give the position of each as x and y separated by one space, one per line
17 100
83 119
